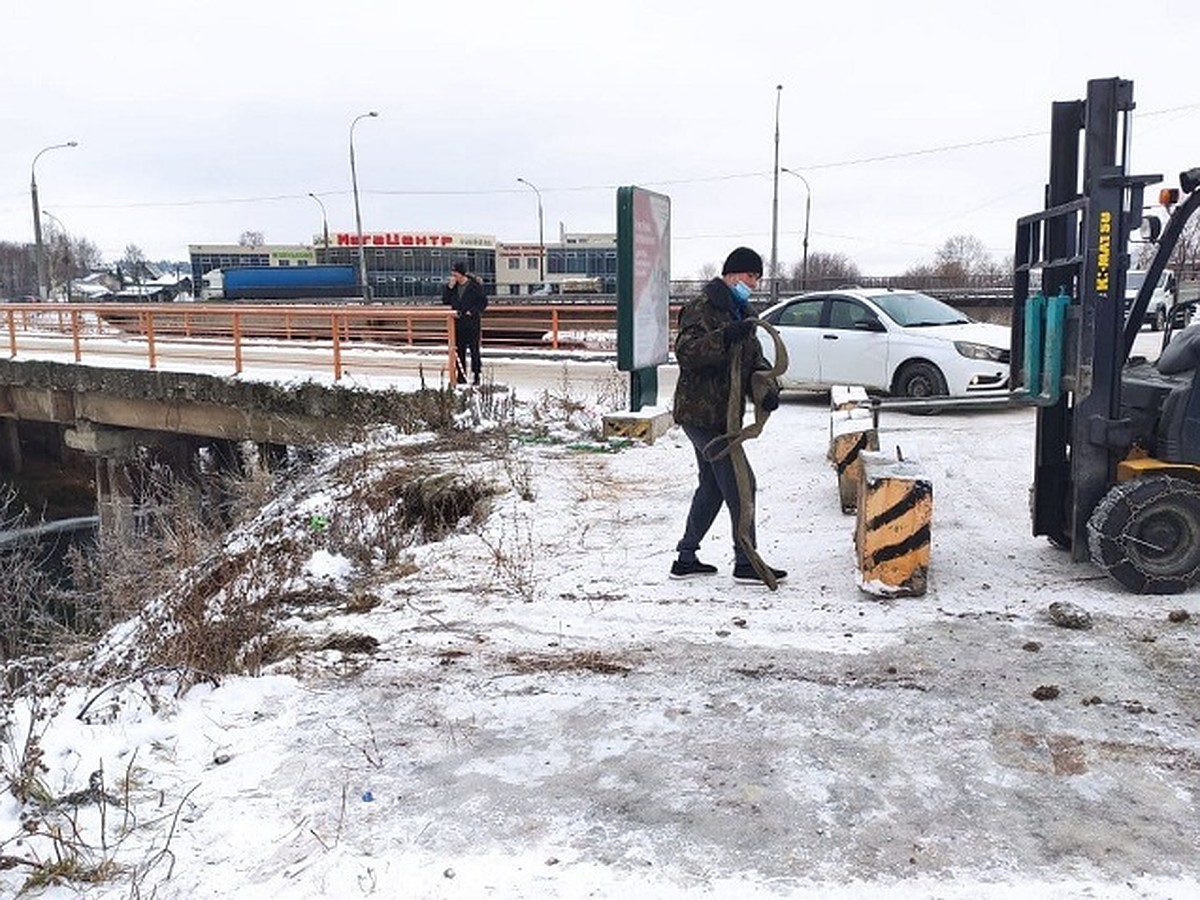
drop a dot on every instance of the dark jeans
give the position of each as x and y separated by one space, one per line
466 337
718 485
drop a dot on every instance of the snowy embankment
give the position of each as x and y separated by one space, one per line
529 707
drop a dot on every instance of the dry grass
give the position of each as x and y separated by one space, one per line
581 660
209 565
346 642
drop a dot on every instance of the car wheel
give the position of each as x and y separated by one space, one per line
918 380
1145 533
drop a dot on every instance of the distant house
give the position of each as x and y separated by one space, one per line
153 292
95 286
147 285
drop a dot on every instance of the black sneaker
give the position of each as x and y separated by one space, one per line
747 574
681 569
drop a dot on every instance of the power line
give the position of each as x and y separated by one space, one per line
661 182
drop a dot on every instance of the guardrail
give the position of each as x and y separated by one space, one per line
83 328
228 330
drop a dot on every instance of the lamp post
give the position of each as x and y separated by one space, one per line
807 211
775 205
37 217
541 233
362 255
325 224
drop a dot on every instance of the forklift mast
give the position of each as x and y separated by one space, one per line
1078 246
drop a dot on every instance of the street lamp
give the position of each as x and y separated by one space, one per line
541 232
775 206
362 256
37 217
325 224
807 210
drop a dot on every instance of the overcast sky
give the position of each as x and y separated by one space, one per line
912 122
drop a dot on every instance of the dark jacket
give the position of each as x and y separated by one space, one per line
1182 354
702 391
470 302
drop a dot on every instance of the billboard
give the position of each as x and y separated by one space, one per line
643 278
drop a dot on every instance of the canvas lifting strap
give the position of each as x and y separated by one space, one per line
730 443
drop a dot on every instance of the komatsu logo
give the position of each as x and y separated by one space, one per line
1104 252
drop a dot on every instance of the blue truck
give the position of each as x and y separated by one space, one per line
280 283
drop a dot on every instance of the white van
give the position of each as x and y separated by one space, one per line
1161 300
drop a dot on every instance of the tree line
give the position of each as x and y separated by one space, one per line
67 258
963 261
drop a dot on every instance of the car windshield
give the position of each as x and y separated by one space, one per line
913 310
1133 281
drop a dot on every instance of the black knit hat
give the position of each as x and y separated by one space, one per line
460 267
743 259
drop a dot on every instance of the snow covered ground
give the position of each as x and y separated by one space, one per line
547 715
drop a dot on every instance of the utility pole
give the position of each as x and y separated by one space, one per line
541 234
324 223
39 250
807 215
362 254
775 205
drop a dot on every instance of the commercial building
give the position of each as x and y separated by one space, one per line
411 264
584 258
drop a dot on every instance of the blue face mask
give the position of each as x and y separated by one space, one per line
741 291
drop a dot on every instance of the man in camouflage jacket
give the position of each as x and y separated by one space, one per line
710 327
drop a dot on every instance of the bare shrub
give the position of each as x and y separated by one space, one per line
202 605
407 496
568 408
495 404
519 472
33 611
21 755
74 838
217 622
514 555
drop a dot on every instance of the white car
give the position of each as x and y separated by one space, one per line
1161 299
898 342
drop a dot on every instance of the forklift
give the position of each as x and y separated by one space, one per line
1117 455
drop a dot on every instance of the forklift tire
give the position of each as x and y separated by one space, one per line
919 380
1145 533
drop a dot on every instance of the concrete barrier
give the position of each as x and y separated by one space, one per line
893 529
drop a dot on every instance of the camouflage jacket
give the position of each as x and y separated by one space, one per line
702 391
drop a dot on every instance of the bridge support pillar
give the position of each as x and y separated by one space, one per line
114 497
10 448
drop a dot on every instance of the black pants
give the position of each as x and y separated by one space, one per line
466 337
717 486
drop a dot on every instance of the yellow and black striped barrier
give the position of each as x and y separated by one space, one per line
892 533
851 431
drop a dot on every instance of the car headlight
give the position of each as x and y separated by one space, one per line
980 351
